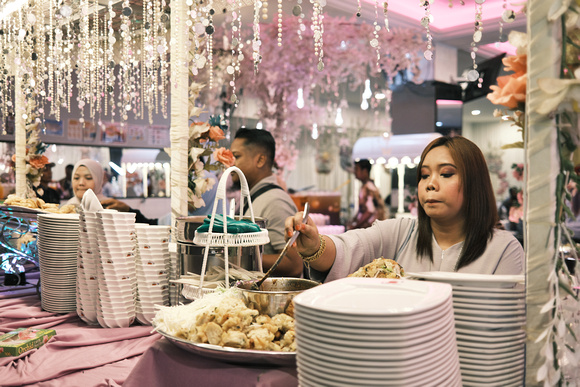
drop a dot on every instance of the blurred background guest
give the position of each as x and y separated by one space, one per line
370 205
66 191
44 191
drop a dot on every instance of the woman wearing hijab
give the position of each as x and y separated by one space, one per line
87 174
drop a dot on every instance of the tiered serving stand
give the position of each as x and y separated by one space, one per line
225 240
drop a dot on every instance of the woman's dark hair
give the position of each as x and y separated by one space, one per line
479 204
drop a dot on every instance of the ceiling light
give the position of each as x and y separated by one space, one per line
338 121
367 93
259 125
380 96
505 118
475 112
364 105
314 131
300 100
439 124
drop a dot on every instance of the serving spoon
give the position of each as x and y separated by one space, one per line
256 285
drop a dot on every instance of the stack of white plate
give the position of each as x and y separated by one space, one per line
152 266
87 274
58 238
490 316
376 332
116 274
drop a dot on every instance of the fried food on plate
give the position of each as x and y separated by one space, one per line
380 268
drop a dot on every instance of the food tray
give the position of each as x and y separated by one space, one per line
234 355
221 239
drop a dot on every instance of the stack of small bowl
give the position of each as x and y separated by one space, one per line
152 266
116 268
87 275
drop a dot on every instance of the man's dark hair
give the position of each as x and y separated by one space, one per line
364 164
261 139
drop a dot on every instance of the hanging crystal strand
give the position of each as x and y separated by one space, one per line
50 62
256 43
385 14
297 11
507 16
473 74
94 61
125 62
39 57
359 9
425 22
375 40
279 23
237 55
164 61
318 29
147 60
110 61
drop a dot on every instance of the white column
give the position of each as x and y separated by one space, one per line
542 166
179 133
19 136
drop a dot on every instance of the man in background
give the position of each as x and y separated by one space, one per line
44 191
370 205
254 152
66 183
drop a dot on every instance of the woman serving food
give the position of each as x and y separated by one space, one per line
455 230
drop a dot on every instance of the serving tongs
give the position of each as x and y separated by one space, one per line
256 285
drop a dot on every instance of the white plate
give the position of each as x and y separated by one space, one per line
491 313
391 321
505 362
502 381
494 367
466 279
428 368
347 326
490 302
448 376
508 371
507 356
486 295
383 346
518 289
492 319
328 353
394 335
491 351
495 339
505 346
488 326
374 296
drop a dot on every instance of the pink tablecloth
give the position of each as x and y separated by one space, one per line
79 355
164 364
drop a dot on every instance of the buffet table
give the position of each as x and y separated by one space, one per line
93 356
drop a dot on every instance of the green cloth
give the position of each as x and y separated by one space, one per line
234 226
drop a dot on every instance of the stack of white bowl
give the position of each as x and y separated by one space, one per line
372 331
152 266
490 316
58 239
174 274
116 268
87 274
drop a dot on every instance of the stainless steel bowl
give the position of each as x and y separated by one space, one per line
275 295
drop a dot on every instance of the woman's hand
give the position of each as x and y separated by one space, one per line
114 204
308 241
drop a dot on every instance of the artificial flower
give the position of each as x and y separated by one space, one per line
557 90
224 156
216 134
38 161
509 92
516 63
194 153
197 129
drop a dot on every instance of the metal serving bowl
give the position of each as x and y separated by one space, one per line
275 294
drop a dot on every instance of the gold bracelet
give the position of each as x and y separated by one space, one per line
318 253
